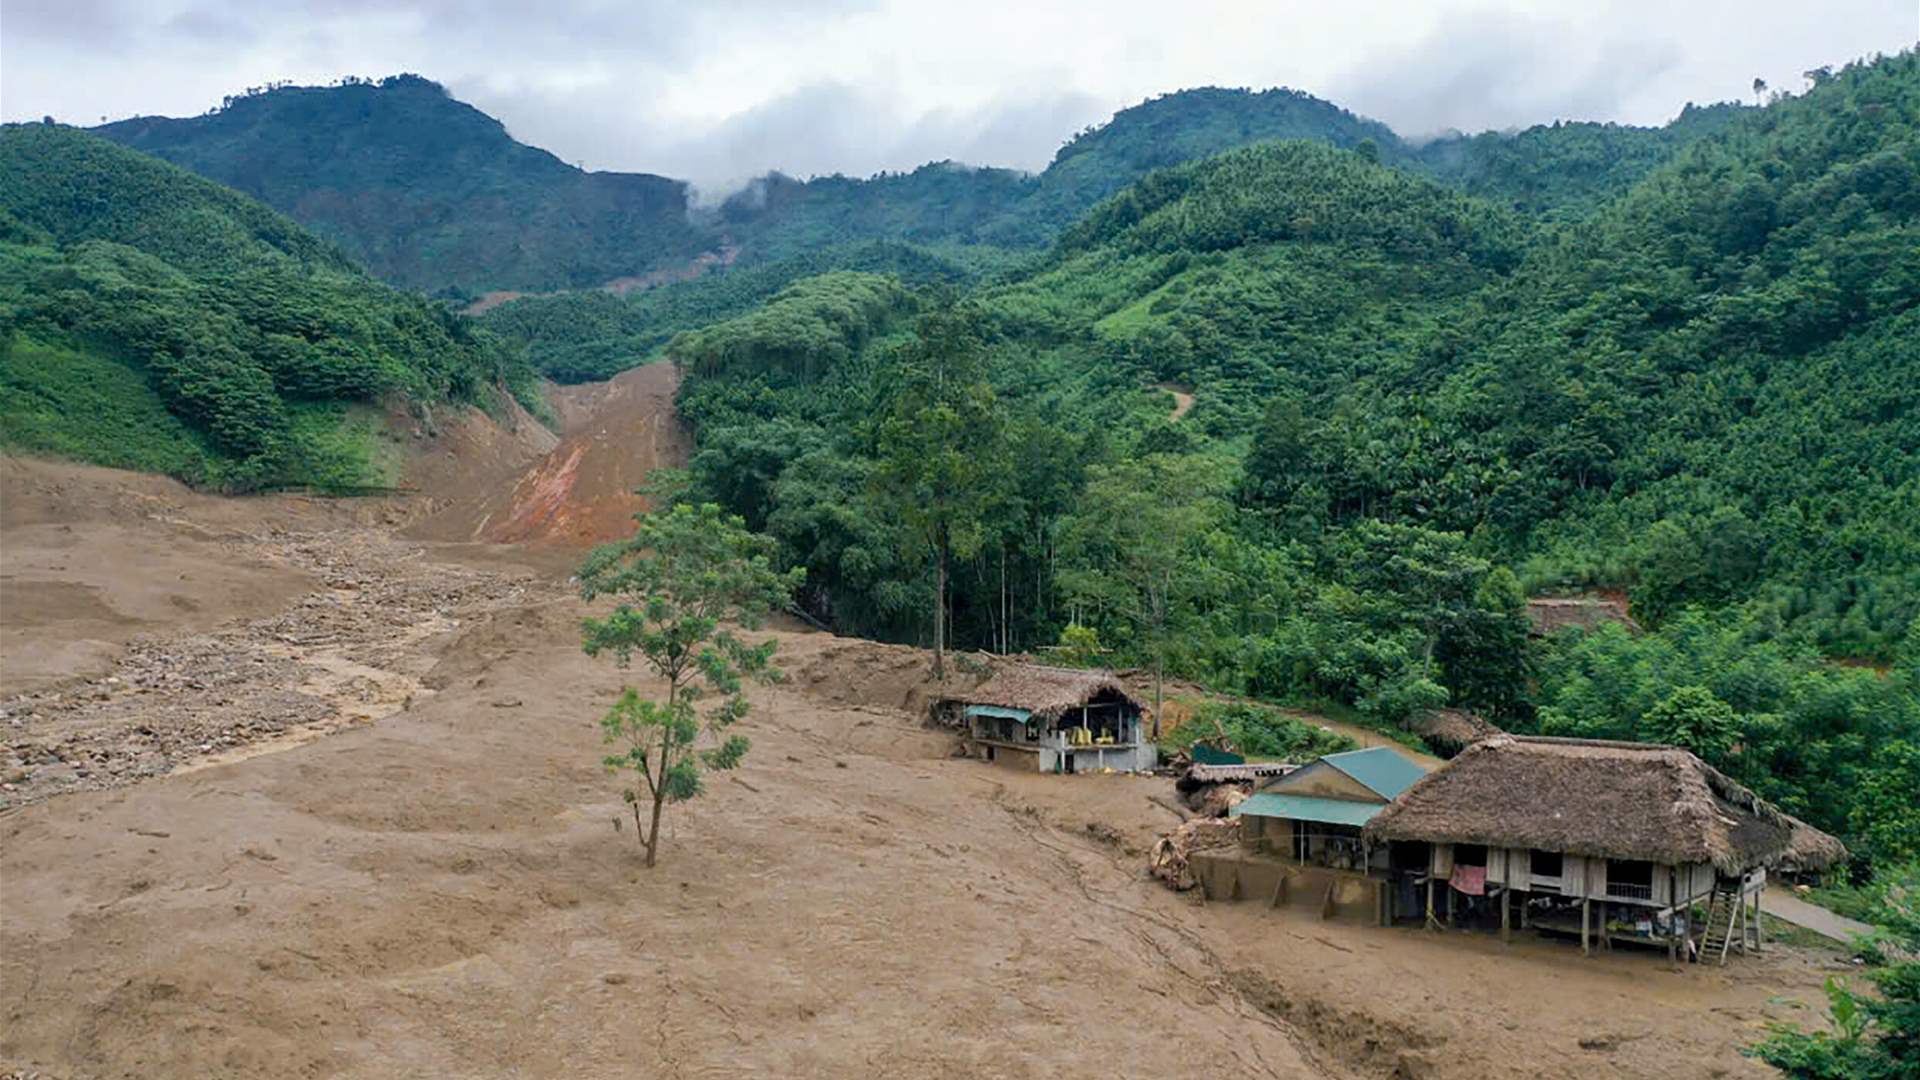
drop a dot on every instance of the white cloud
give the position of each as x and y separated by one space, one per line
722 89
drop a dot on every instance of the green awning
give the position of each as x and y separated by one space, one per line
995 710
1308 808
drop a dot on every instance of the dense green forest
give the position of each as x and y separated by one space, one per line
425 191
152 319
583 336
430 193
1685 372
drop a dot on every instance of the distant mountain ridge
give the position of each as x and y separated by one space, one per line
426 191
433 194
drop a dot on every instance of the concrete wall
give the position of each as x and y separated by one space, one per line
1121 758
1354 898
1086 759
1010 757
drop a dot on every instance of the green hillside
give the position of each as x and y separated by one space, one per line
430 193
581 336
1688 372
152 319
425 191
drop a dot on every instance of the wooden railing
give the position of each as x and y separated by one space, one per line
1627 890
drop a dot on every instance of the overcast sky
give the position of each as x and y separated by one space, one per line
718 90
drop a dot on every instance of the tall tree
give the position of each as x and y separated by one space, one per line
939 445
1132 547
681 578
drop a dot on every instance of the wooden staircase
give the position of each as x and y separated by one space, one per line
1724 908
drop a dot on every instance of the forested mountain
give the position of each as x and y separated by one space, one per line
153 319
425 191
1688 372
432 194
1674 364
1564 165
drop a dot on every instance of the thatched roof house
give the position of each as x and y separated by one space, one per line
1054 719
1597 799
1046 693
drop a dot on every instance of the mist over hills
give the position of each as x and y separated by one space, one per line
432 194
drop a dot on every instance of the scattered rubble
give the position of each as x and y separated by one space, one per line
1170 853
347 653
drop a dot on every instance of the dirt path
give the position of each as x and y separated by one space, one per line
1182 399
1782 904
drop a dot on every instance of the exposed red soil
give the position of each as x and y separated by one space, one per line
581 491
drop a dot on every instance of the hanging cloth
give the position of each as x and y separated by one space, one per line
1471 880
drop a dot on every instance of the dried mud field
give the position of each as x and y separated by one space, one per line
293 794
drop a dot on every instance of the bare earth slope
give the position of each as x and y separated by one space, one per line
580 492
436 886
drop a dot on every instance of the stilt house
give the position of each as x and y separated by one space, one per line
1615 841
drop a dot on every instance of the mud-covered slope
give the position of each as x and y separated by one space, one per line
581 491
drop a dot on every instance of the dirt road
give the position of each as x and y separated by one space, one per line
404 860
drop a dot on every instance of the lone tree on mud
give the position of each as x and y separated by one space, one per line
682 575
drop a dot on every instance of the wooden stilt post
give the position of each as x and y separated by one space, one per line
1449 907
1524 915
1585 948
1431 921
1673 914
1759 927
1506 916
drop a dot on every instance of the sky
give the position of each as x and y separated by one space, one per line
717 91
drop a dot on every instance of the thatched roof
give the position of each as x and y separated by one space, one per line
1046 692
1809 848
1601 799
1449 731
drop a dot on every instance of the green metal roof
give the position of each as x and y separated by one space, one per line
1382 770
1207 755
995 710
1308 808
